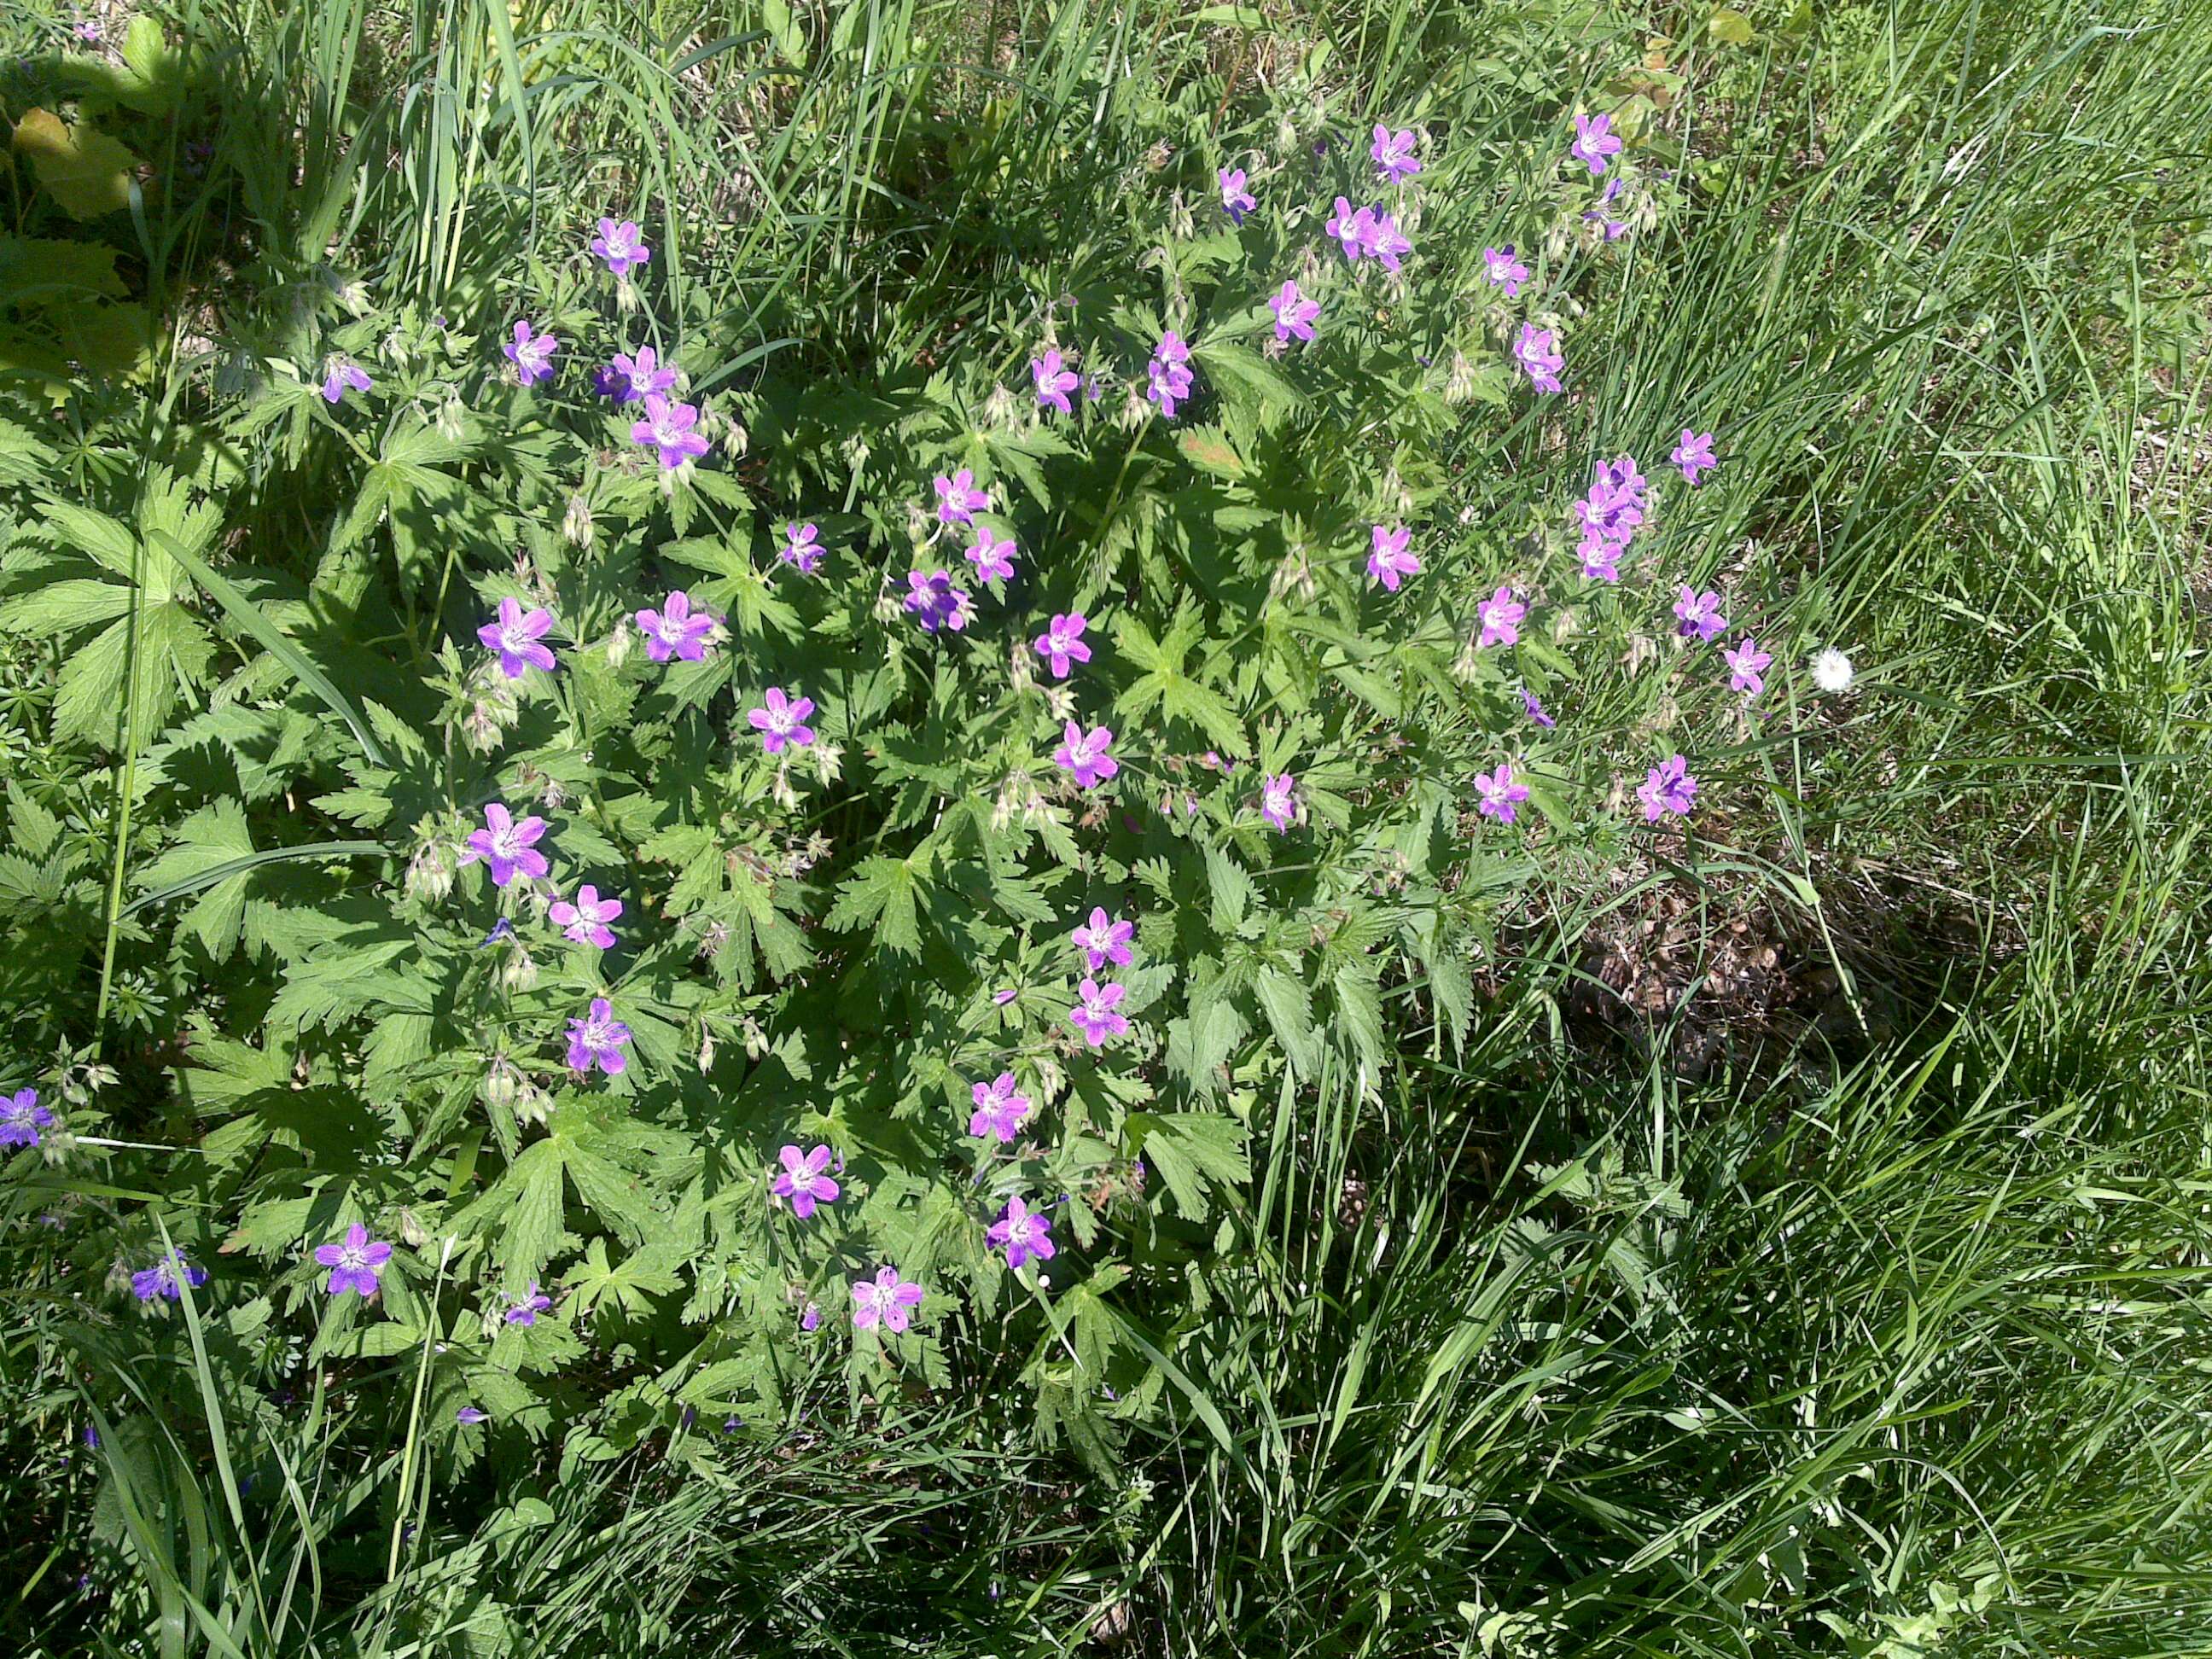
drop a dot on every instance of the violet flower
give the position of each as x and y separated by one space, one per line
1390 563
1501 615
1667 787
1694 455
1536 350
1103 939
1168 373
999 1109
1536 709
1746 665
993 559
1497 793
165 1279
340 374
1394 154
958 498
1279 800
1024 1235
471 1415
531 354
597 1040
516 635
526 1312
1236 200
1350 230
1087 754
804 1180
801 548
1504 270
1380 239
22 1120
885 1300
1054 380
643 376
509 845
1595 140
1096 1013
935 603
585 919
675 629
621 246
670 428
1061 643
1700 614
1294 313
783 721
357 1264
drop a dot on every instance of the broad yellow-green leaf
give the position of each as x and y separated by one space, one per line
88 171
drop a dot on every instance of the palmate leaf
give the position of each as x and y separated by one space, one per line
1194 1153
889 894
87 172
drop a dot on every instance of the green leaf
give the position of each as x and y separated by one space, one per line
87 172
1289 1009
883 891
1194 1151
255 621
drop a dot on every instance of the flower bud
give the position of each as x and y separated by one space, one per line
430 872
619 644
519 972
503 1085
576 522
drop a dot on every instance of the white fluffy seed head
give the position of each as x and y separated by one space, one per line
1831 670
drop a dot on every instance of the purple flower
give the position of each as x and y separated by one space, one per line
999 1108
1390 563
341 373
783 721
1024 1235
1380 239
1700 614
1279 800
516 637
641 377
885 1300
357 1264
610 383
531 354
1503 269
1497 793
1595 140
1694 454
993 559
1054 380
89 31
811 1319
801 548
1236 200
1500 616
1667 787
597 1040
1536 350
1062 643
1350 230
621 246
22 1119
1168 374
935 603
1095 1013
470 1415
958 500
1614 229
804 1180
585 920
1602 559
1529 702
165 1279
1005 995
1746 665
675 629
526 1312
507 845
1103 939
1088 754
1294 313
1394 154
668 428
